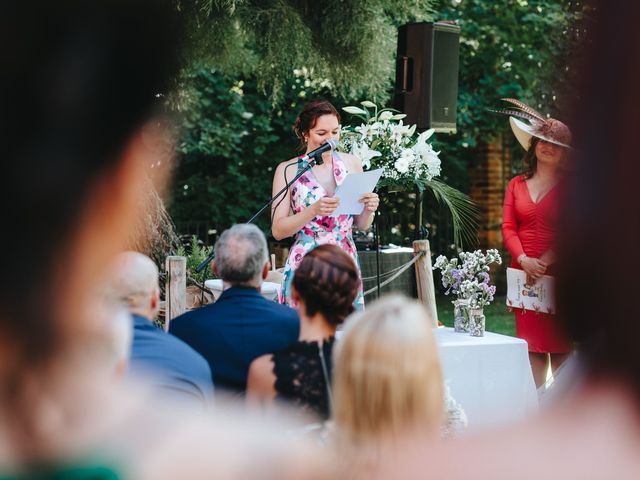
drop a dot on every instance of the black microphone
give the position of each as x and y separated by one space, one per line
330 144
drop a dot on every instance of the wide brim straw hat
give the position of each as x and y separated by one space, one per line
547 129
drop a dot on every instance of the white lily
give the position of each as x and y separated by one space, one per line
367 130
426 135
365 154
421 144
355 110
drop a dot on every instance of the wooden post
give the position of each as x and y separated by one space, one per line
273 262
424 278
175 288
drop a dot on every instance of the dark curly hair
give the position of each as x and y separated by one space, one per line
327 281
530 159
309 115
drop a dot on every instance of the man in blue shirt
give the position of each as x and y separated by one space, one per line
241 325
166 362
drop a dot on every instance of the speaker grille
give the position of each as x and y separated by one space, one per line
444 95
427 74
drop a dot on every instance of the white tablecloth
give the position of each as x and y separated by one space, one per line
489 376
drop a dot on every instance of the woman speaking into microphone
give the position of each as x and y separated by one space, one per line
306 208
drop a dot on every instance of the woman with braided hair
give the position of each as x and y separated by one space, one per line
324 286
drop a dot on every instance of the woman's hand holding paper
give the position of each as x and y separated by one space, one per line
371 202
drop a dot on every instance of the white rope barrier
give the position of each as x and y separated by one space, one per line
385 274
400 271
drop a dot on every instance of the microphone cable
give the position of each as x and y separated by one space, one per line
284 194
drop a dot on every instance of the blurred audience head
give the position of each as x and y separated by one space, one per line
121 339
242 256
598 252
387 377
133 282
78 85
326 282
110 346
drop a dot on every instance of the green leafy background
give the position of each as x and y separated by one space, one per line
238 97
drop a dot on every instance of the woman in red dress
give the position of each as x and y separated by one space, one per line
529 225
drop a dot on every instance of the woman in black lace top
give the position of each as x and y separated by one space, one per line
324 288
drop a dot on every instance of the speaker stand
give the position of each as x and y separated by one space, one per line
422 233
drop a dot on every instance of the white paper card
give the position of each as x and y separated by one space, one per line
539 297
351 190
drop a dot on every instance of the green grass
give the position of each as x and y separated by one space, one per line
499 319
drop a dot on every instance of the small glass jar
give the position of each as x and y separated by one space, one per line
461 315
476 322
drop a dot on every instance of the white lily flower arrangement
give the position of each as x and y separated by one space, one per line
383 141
408 161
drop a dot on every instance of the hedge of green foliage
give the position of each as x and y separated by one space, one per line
240 94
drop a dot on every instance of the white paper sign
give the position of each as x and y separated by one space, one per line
351 190
539 297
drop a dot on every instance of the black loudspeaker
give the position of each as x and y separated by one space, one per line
427 74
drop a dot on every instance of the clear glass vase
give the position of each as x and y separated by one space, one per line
476 322
461 315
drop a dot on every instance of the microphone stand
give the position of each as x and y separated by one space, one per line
376 233
315 160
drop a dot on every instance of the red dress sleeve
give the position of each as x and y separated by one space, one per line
510 222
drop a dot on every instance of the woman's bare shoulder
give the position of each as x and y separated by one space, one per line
261 377
288 167
264 363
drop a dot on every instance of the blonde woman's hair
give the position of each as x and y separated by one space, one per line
387 378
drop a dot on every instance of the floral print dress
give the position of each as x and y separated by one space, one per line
321 230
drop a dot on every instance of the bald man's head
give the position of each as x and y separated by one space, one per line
133 280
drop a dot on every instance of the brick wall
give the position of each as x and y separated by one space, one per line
489 174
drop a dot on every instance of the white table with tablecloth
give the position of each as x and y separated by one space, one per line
489 376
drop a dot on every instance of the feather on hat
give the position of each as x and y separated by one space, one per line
547 129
